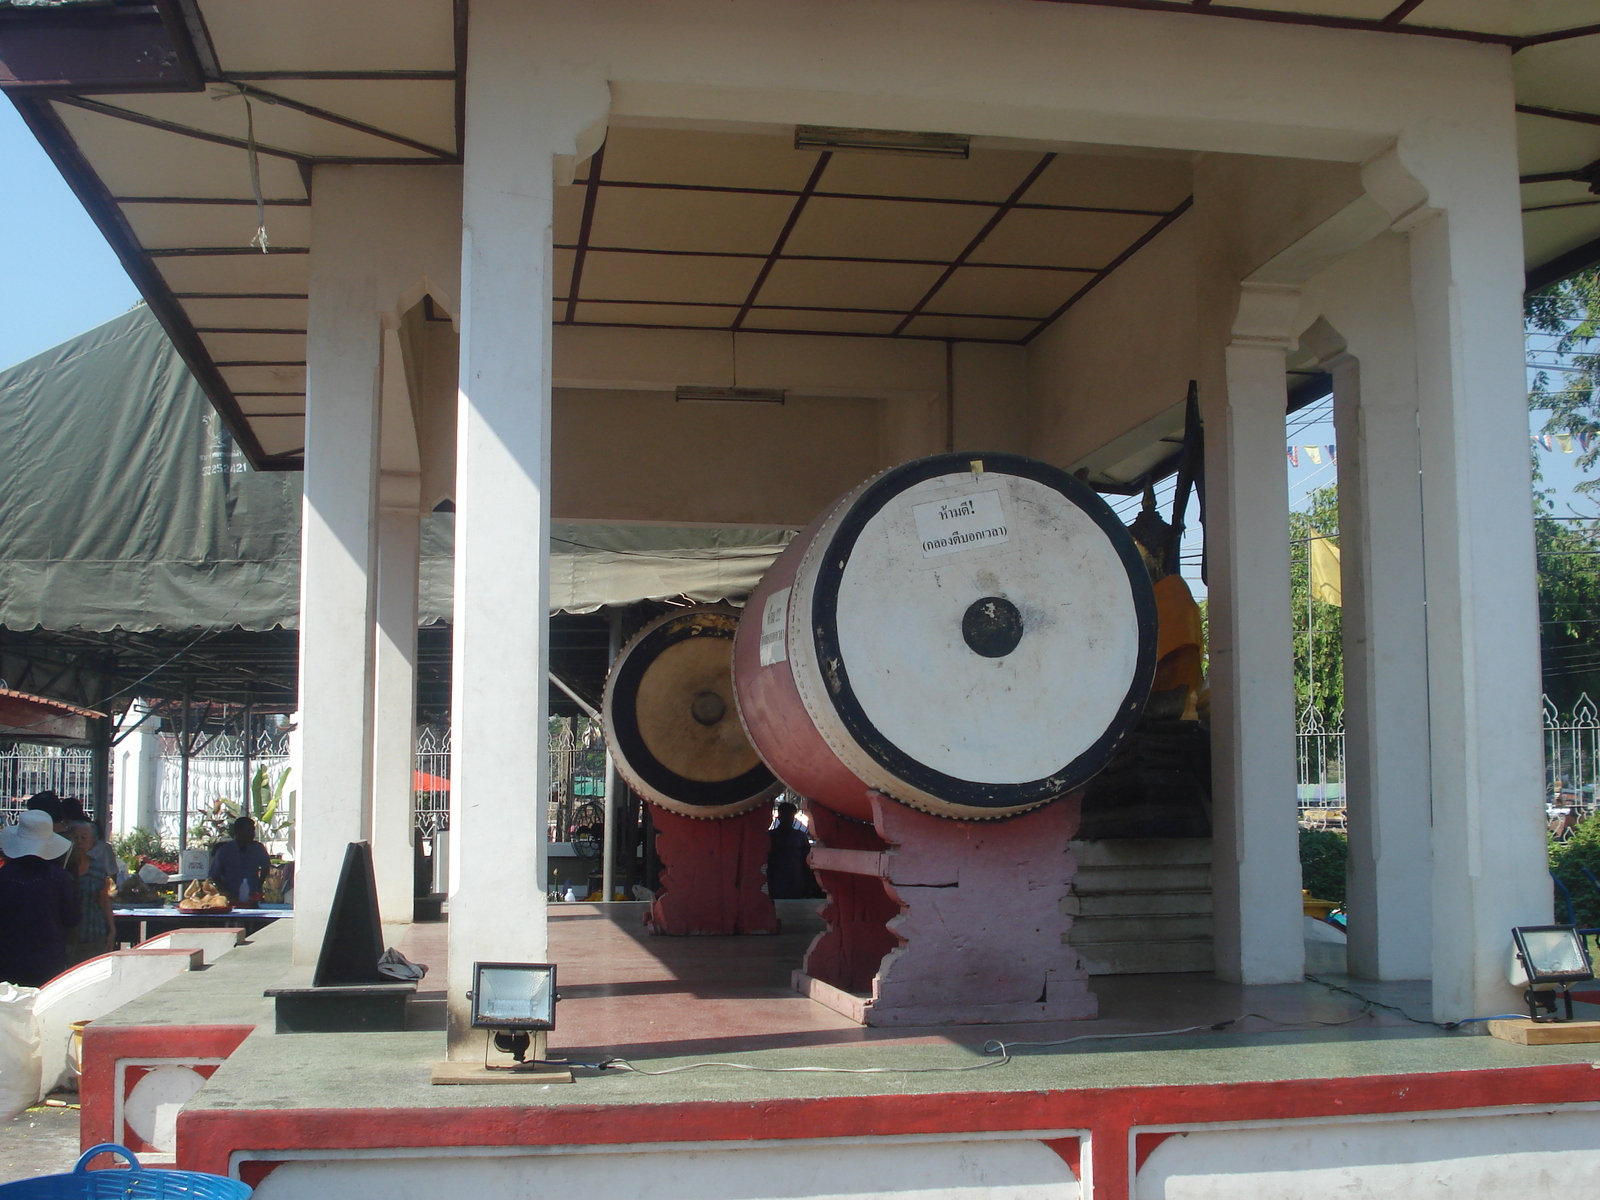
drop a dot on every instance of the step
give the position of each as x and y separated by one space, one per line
1147 958
1152 852
1188 902
1101 880
1093 930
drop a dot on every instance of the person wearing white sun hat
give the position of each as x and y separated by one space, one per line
38 901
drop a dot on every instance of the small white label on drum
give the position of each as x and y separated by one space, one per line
960 523
775 628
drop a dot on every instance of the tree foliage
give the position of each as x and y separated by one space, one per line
1323 857
1568 861
1569 607
1319 674
1570 312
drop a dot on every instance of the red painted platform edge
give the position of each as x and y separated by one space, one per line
208 1139
104 1047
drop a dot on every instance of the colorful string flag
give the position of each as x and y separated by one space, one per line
1294 456
1314 453
1326 576
1583 442
1544 440
1333 455
1565 442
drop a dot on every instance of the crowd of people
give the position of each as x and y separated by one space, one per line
57 876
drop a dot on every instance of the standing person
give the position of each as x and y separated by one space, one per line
38 901
101 853
49 802
239 867
97 927
788 874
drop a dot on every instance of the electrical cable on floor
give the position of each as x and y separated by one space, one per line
1445 1025
1001 1052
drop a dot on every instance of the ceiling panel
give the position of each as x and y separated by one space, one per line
707 159
970 327
1547 234
251 274
280 435
1058 239
879 229
661 220
1559 74
255 406
316 35
421 109
268 314
265 379
134 160
815 322
167 226
275 125
855 285
986 175
667 277
567 219
1361 10
1545 145
256 347
1518 17
1002 292
1113 181
658 314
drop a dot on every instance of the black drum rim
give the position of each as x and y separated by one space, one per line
631 749
998 798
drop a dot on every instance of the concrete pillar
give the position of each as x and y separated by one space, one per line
337 547
394 734
1372 357
136 776
519 122
1489 865
1256 866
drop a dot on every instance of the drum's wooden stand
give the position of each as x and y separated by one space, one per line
713 875
975 911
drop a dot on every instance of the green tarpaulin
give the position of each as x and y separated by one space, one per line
126 505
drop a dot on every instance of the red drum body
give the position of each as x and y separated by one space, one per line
969 634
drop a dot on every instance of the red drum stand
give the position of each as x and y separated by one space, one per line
714 874
933 921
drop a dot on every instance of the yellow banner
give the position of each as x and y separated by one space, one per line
1325 573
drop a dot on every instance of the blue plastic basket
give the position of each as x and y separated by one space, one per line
135 1183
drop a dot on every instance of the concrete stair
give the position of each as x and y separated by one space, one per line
1142 906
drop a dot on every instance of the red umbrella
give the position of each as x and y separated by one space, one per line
430 783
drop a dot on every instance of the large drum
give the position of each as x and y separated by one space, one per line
670 718
972 635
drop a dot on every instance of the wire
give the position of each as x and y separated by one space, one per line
1001 1052
1371 1003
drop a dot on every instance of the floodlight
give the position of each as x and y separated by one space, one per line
729 395
513 995
1548 959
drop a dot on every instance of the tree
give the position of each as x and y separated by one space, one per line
1568 545
1569 312
1318 627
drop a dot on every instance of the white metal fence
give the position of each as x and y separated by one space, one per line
218 770
26 769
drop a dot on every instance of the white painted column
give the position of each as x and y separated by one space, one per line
394 734
1255 859
336 550
1385 653
518 123
1489 866
136 779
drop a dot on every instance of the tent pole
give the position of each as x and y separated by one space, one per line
608 841
247 801
183 773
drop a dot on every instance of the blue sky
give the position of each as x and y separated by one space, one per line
61 276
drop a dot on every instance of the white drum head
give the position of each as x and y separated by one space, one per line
984 639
